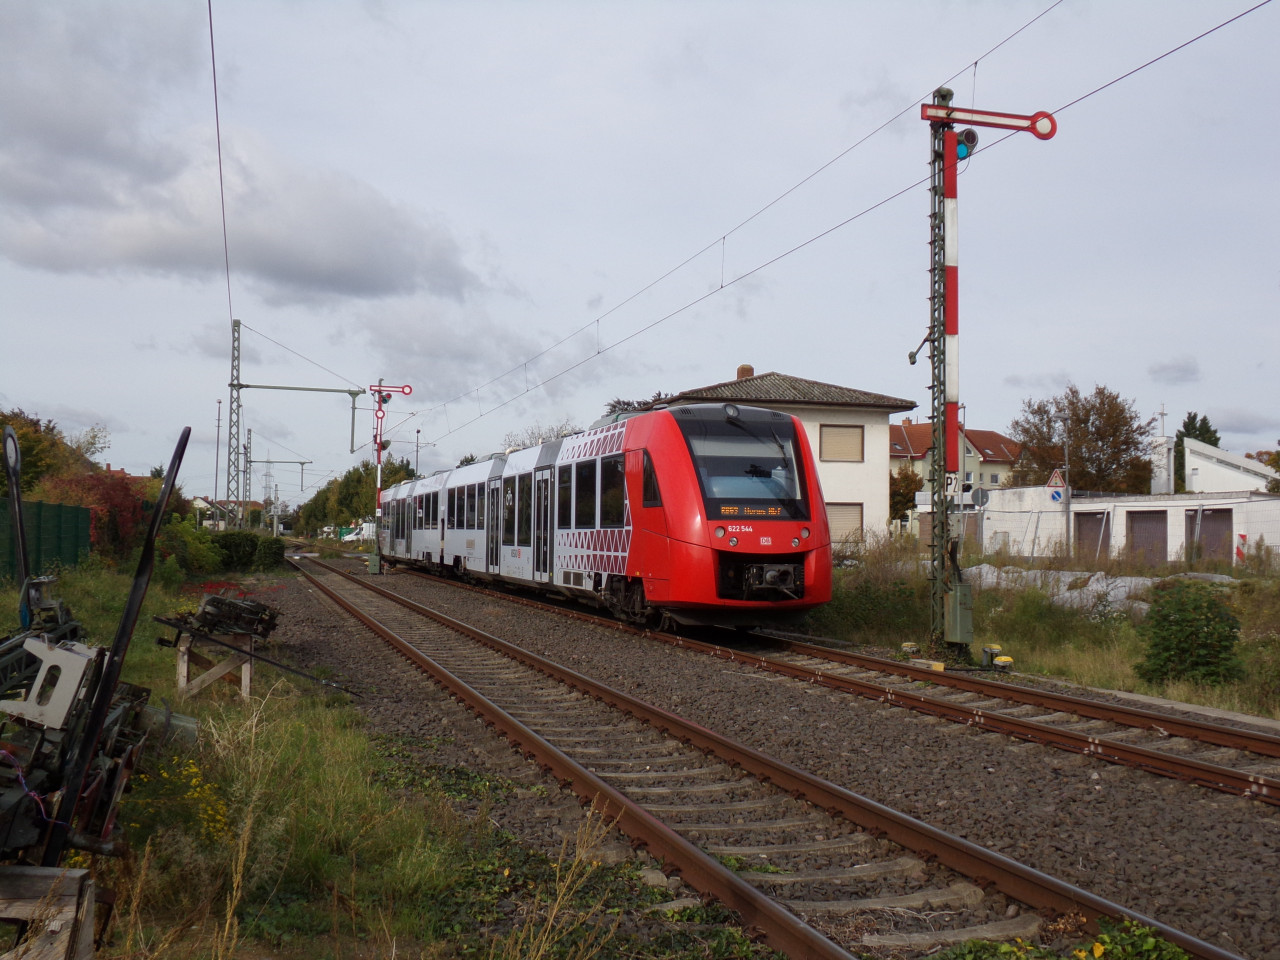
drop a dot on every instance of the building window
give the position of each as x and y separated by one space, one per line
995 478
845 522
840 442
968 476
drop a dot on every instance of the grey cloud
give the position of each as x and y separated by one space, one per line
89 185
1177 371
1041 383
306 235
1238 421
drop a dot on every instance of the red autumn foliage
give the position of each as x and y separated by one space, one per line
114 502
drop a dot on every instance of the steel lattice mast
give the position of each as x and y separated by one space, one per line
939 577
233 427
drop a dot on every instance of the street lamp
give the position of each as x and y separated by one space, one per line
1066 472
417 449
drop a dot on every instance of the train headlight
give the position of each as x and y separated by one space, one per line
719 531
804 532
733 541
795 541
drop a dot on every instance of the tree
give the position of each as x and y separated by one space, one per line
38 443
1197 428
48 452
115 507
536 433
903 487
349 498
619 405
1269 458
1104 436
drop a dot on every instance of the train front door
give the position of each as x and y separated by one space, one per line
543 485
493 520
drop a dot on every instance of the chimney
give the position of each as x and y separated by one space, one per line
745 370
906 421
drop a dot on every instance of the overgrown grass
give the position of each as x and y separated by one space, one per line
286 825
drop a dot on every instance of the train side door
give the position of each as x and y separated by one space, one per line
543 485
493 525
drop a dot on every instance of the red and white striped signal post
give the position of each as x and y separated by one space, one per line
952 621
381 394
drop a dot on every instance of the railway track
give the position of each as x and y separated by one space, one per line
1234 760
797 857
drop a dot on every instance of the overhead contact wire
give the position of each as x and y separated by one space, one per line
719 241
222 190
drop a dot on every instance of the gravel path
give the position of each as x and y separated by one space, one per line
1195 859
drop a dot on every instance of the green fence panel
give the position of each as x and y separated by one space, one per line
57 534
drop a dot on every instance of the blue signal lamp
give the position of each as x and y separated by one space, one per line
966 140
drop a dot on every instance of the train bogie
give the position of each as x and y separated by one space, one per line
705 514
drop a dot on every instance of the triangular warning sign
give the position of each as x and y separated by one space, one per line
1056 482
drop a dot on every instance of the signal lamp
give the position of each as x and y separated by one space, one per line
385 445
966 140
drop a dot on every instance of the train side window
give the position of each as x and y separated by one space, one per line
584 512
471 506
564 498
612 491
453 507
652 495
480 491
525 518
509 511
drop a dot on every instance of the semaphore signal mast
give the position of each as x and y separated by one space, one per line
951 618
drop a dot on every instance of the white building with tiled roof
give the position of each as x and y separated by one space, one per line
848 430
989 457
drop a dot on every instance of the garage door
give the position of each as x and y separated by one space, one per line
1209 534
1092 535
1148 535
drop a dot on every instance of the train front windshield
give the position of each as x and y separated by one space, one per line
747 469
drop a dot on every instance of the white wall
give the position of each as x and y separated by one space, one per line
867 482
1026 522
1206 469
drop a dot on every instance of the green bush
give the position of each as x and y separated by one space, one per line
269 554
1191 634
239 546
192 548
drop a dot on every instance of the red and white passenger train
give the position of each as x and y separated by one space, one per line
708 514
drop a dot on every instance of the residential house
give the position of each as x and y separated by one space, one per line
987 459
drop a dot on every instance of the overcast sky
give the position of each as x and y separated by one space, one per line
489 201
